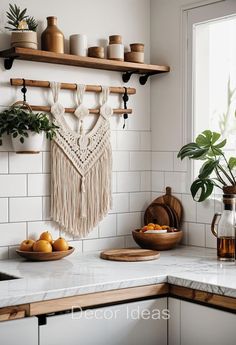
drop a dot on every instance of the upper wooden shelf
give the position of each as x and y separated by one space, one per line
73 60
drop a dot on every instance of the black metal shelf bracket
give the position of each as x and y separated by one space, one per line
8 62
126 76
143 78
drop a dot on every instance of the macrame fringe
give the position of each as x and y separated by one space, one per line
79 203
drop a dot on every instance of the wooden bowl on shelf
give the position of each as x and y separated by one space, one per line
40 256
163 241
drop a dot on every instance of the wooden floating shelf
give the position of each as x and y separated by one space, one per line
80 61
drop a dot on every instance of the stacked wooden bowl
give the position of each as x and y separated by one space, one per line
164 210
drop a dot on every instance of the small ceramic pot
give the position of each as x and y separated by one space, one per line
115 52
32 144
24 39
78 45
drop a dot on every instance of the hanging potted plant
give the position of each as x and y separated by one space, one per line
27 129
23 28
216 169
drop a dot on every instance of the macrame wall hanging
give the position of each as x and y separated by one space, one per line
81 162
81 167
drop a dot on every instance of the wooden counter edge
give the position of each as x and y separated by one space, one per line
114 296
207 298
97 298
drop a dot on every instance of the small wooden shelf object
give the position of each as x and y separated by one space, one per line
128 68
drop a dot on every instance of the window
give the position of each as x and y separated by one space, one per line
212 72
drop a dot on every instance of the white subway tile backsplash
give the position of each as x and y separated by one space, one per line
146 181
120 203
158 181
93 234
12 185
46 207
211 241
176 180
12 252
162 161
114 182
128 181
103 243
127 222
25 163
178 164
205 211
113 140
130 242
3 162
3 210
25 209
39 184
46 162
128 140
140 160
184 228
189 208
107 227
196 234
139 201
12 233
36 228
120 161
145 138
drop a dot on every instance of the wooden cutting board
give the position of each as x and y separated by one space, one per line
130 254
171 201
158 213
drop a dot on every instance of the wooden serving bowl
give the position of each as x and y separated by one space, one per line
39 256
163 241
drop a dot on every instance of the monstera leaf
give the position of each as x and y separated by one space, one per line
202 186
208 147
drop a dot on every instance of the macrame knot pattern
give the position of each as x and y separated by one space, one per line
81 166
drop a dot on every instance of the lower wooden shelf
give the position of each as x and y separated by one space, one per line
80 61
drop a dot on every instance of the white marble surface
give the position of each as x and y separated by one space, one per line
192 267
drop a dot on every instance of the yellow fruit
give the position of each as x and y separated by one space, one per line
157 227
151 224
150 227
144 228
60 244
42 246
46 235
27 245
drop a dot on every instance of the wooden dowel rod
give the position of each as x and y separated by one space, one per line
72 110
68 86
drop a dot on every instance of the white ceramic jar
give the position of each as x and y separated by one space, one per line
78 45
115 50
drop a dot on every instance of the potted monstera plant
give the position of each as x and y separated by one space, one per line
27 129
216 170
22 27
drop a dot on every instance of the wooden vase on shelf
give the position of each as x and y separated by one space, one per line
52 39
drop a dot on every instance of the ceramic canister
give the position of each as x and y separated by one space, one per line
78 45
115 52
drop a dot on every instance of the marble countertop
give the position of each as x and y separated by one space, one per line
77 274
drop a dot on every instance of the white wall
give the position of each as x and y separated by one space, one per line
24 179
167 121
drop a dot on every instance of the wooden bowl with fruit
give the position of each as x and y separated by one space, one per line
158 237
45 248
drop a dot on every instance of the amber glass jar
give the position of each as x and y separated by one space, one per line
52 39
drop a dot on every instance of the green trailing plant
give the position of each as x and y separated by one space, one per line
216 170
18 121
18 20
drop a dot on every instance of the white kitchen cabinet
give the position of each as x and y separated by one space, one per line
136 323
22 331
196 324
